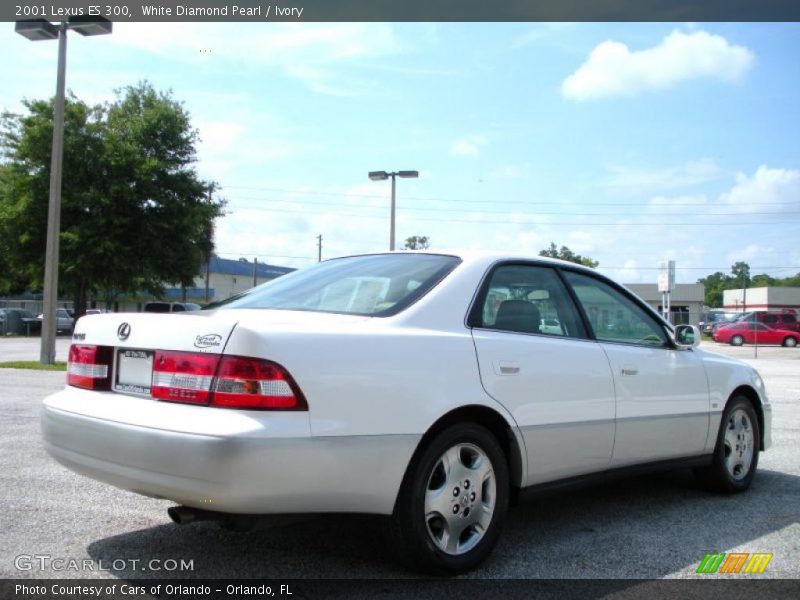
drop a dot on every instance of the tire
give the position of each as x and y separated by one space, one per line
790 342
736 453
453 502
737 340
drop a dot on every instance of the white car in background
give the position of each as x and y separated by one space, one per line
65 319
419 386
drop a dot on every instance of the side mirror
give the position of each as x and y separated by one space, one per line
687 336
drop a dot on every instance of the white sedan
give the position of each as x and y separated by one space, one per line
420 386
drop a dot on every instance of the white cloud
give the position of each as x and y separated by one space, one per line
750 254
542 32
676 205
510 171
469 146
689 174
628 273
612 69
316 54
768 190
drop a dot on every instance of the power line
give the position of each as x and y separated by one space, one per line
517 222
495 212
256 255
465 201
602 266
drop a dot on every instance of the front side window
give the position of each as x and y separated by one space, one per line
528 299
376 285
613 316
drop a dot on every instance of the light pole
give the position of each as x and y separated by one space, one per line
37 30
382 175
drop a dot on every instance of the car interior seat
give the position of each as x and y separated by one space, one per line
518 315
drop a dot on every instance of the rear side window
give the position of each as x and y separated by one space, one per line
527 299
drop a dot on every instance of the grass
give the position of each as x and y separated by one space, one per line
33 364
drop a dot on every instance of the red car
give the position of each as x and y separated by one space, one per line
742 332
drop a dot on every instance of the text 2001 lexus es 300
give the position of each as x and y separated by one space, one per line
426 387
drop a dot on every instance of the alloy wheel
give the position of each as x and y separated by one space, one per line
460 498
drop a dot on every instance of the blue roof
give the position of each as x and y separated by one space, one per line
245 268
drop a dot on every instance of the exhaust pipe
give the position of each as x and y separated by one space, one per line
183 515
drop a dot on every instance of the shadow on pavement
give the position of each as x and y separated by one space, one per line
646 527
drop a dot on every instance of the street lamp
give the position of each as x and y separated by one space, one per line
380 176
37 30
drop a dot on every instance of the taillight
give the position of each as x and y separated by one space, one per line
89 367
255 384
194 378
183 376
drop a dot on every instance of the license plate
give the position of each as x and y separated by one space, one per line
134 371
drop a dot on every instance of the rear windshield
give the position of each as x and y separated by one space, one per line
376 285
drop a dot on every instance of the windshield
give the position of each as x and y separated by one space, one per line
375 285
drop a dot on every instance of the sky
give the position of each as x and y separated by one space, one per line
630 143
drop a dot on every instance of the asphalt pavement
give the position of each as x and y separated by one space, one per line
648 527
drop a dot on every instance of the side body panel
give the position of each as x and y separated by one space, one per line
662 403
560 393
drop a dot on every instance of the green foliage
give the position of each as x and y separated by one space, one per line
718 282
33 364
741 273
134 213
417 242
715 284
566 254
763 280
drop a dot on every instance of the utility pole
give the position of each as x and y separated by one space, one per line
319 248
255 271
38 30
208 275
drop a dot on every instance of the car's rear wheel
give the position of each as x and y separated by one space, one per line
736 453
737 340
790 342
453 502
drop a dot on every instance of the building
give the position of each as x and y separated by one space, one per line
686 300
762 298
226 277
220 279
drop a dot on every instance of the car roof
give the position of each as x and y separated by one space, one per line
485 257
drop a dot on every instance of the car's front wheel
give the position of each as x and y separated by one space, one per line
736 453
737 340
453 501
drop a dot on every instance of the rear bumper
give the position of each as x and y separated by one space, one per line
222 460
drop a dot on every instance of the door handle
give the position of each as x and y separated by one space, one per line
629 370
506 367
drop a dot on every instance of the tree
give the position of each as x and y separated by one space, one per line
715 285
566 254
741 274
763 280
417 242
134 214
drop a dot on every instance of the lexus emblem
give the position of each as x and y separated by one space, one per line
124 331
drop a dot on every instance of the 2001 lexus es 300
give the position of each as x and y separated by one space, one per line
417 385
